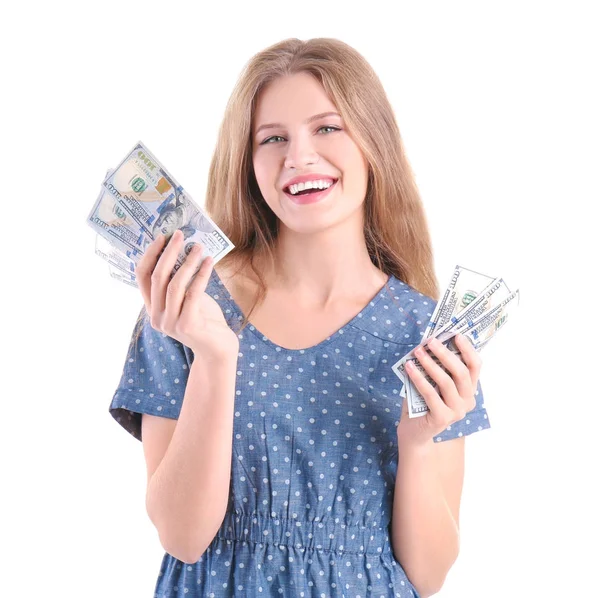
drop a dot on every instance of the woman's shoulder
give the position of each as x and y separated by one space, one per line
398 314
238 281
404 294
234 272
236 288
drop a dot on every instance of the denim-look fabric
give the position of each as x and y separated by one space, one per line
314 453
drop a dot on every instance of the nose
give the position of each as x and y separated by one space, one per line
300 153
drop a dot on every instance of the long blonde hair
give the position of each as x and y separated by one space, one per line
396 231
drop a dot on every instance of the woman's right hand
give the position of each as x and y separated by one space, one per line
187 314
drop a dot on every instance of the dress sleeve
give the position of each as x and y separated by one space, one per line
154 377
474 421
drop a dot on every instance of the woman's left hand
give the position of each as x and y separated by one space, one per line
457 390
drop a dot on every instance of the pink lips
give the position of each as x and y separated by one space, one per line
312 197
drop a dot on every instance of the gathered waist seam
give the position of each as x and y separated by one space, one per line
243 527
301 548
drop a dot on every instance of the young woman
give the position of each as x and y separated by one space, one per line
280 457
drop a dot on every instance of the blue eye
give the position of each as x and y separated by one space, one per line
328 127
268 140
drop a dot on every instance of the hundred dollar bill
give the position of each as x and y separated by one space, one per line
152 197
482 303
416 403
479 333
465 285
485 327
122 276
115 225
491 296
114 257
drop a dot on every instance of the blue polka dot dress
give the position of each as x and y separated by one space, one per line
314 455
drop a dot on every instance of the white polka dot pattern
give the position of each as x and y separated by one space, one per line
314 453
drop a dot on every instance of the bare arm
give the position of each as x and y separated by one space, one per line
188 493
425 520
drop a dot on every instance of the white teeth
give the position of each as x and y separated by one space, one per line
320 184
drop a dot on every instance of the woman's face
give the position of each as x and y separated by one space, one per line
296 147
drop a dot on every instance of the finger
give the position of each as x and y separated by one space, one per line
195 290
461 377
470 356
441 377
160 275
177 287
438 409
145 266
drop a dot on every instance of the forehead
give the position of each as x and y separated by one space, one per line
291 98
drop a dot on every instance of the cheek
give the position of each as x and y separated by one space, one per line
265 174
351 159
266 178
356 174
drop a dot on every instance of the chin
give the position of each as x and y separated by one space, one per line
316 224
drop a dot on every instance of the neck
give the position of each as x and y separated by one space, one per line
324 268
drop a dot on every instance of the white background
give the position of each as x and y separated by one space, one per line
498 107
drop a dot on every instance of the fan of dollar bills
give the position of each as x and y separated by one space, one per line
475 305
139 200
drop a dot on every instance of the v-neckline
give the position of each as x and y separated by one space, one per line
237 311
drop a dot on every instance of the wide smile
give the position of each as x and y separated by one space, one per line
313 197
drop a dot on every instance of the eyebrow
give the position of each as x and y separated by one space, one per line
308 120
